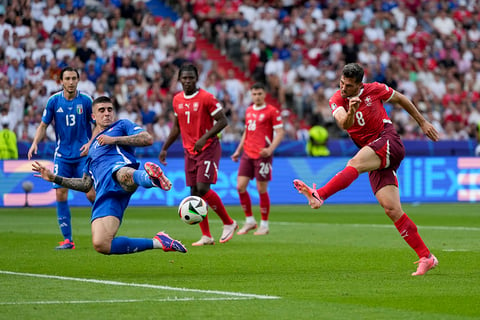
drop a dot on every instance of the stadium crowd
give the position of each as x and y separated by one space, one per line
427 50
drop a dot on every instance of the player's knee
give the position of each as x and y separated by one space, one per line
101 247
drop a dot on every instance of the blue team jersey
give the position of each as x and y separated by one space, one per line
103 161
73 120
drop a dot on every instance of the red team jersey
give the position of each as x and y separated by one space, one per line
195 116
260 123
371 116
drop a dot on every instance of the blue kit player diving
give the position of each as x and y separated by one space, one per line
112 169
71 112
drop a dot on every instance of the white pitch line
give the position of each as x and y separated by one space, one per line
175 299
382 226
141 285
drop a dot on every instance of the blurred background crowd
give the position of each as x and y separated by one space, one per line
427 50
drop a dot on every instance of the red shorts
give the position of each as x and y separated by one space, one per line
389 147
260 169
203 167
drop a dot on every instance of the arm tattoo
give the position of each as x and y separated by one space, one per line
83 184
141 139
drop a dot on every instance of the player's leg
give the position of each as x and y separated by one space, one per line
151 176
206 165
105 227
389 198
246 203
245 174
262 187
63 210
64 219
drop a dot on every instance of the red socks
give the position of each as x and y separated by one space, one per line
246 203
409 233
214 201
339 182
264 205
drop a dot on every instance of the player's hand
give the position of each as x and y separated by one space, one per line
84 149
32 150
265 153
198 147
430 131
103 139
162 157
43 172
235 156
354 103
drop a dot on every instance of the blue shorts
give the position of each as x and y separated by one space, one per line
68 169
111 199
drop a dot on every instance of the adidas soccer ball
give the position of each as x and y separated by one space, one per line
192 210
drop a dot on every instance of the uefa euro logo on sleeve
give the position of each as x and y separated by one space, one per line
79 109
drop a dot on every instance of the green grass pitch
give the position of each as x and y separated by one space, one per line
339 262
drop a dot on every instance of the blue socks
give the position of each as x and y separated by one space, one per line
141 178
64 219
124 245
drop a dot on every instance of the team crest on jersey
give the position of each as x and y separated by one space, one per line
262 116
79 109
180 106
368 101
196 105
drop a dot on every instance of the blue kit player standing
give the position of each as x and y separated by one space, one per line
71 112
112 169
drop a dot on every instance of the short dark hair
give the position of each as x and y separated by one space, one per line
353 70
187 67
68 69
258 85
102 99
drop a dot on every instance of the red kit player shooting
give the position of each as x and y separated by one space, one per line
358 108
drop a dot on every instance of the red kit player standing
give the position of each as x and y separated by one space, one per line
358 109
199 117
258 142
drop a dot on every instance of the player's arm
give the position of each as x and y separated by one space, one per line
346 119
277 138
39 135
141 139
83 184
174 133
239 149
221 122
408 105
84 149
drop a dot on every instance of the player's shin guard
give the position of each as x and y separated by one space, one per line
246 203
409 233
125 245
214 201
339 182
141 178
264 205
64 219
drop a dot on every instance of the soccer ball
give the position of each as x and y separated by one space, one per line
192 210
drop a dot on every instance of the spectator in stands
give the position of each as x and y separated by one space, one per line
8 141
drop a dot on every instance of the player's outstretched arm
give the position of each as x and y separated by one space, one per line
141 139
408 105
83 184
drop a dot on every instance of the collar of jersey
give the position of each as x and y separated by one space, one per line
259 108
190 96
358 95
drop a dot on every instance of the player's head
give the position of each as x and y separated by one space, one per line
69 78
188 77
103 111
351 80
258 93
